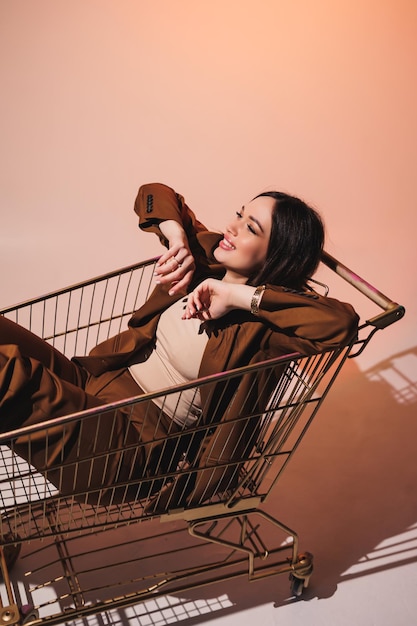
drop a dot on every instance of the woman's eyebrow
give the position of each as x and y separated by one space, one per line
257 222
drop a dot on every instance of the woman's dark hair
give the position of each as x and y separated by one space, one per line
295 245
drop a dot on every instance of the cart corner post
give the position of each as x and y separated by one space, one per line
9 615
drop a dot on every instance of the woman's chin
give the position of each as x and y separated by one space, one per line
219 255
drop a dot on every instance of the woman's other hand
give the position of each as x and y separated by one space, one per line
213 298
176 266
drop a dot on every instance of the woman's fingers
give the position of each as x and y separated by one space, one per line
169 262
198 303
180 284
212 299
175 267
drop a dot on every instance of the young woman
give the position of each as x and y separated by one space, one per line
221 301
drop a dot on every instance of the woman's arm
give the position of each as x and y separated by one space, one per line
162 211
318 322
175 267
214 298
156 203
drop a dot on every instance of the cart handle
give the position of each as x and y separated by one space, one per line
392 310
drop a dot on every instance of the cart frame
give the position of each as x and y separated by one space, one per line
57 527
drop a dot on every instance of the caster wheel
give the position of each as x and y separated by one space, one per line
296 586
29 614
302 573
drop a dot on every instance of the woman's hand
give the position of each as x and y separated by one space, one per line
213 298
175 267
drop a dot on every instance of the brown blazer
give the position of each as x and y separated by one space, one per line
289 321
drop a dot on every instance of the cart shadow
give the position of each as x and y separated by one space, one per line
360 511
348 492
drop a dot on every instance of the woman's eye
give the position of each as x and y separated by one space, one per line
239 215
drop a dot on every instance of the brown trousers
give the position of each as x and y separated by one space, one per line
97 459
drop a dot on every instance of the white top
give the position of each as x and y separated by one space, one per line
176 359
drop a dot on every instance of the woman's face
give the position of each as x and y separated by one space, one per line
246 238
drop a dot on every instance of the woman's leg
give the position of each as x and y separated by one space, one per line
39 384
115 455
148 445
101 458
31 345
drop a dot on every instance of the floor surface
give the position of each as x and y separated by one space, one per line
350 493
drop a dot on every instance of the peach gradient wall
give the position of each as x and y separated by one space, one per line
220 99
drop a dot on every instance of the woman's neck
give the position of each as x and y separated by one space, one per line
233 277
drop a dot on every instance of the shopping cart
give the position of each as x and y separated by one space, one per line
171 535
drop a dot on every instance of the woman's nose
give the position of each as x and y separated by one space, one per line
232 227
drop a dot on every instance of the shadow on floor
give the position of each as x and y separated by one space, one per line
349 492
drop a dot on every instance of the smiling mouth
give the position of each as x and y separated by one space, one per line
226 245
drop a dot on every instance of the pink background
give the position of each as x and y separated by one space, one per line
222 99
219 100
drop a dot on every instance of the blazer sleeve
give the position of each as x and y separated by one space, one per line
156 203
305 321
302 322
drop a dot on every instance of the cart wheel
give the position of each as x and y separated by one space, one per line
29 613
301 576
11 551
296 586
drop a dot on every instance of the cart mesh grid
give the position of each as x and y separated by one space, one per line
87 542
